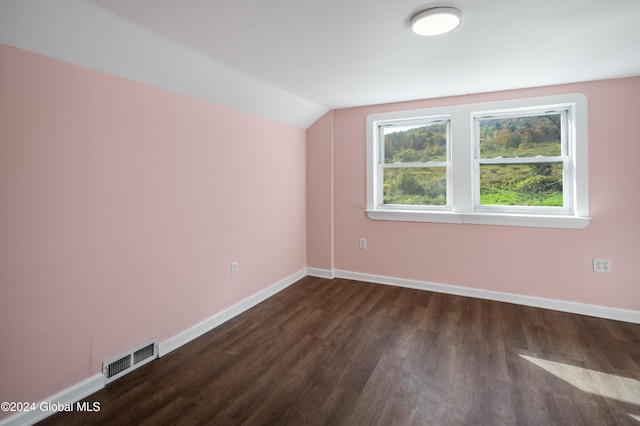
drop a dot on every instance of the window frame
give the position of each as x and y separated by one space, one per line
382 164
463 174
566 140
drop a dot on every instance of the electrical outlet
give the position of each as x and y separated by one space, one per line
234 268
363 243
601 265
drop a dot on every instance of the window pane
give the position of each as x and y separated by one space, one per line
538 184
521 136
416 186
415 144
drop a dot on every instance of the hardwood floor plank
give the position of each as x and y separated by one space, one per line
342 352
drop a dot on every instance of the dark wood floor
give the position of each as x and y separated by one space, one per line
339 352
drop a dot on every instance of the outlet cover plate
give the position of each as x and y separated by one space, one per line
601 265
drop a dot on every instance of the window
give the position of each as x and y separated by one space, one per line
522 162
415 163
519 162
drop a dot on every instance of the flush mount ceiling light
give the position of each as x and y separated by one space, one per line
436 21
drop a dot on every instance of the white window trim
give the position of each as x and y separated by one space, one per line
462 204
380 165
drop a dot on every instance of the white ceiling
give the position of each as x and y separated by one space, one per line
292 60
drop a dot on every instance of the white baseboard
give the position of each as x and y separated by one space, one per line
43 409
321 273
538 302
209 324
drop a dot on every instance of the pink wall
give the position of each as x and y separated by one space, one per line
122 207
320 207
549 263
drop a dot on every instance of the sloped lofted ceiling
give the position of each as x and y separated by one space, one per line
292 60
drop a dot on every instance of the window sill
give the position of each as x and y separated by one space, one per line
503 219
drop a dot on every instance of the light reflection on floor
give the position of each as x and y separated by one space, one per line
594 382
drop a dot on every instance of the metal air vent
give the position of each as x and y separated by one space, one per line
128 361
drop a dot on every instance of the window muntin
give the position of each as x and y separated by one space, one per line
414 165
522 161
